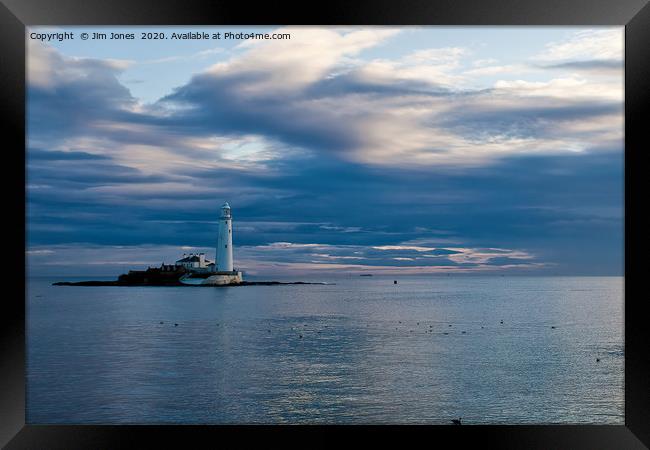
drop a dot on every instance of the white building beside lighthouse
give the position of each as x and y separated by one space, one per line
222 272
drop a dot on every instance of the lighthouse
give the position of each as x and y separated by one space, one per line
224 240
222 273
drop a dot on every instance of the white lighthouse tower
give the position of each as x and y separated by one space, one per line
224 240
223 273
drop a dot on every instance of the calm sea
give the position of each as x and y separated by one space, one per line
363 350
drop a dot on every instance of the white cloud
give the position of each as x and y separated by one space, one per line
482 256
601 44
40 252
404 247
484 62
267 85
289 245
434 66
282 257
47 68
510 69
197 55
569 89
288 65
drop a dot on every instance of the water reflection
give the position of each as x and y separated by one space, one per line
361 351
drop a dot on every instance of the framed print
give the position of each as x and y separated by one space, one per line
358 215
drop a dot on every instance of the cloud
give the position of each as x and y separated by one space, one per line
378 256
268 258
40 252
196 55
593 44
571 89
284 66
404 247
595 67
498 70
594 53
434 67
380 112
47 69
277 98
355 150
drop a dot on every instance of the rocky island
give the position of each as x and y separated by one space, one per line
165 276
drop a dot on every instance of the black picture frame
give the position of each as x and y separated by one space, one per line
16 14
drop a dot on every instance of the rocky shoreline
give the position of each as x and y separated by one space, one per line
163 276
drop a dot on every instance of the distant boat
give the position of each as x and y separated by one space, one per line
365 275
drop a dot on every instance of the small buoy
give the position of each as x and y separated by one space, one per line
449 324
502 321
301 336
445 333
269 331
553 328
161 321
463 332
482 327
597 359
394 281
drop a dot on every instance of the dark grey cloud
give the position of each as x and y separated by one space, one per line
529 120
610 65
217 108
36 154
77 93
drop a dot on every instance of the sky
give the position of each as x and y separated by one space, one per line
341 150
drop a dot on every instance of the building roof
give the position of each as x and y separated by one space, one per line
191 258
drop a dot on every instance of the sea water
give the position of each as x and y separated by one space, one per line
489 349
